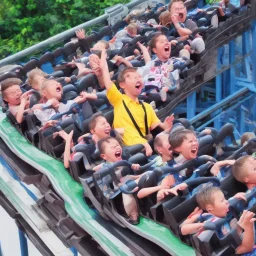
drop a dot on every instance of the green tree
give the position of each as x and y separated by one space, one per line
26 22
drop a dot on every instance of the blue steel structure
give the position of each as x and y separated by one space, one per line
229 98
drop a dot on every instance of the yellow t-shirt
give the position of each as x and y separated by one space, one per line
123 120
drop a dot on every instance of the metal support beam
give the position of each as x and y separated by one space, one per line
23 244
232 53
254 53
218 96
191 105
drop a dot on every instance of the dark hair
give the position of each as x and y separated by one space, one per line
9 82
239 170
123 72
102 142
177 138
152 43
93 120
206 195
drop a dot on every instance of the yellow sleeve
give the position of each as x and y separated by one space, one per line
154 118
113 95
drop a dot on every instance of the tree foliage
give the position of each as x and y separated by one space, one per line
26 22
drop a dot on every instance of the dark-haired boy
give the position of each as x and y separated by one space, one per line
111 151
137 118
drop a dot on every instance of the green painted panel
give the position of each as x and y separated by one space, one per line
72 193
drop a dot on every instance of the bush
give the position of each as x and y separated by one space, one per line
26 22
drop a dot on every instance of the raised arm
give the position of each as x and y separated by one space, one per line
105 72
181 31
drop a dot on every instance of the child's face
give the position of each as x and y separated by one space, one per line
38 80
53 90
12 95
102 128
132 84
113 151
163 48
250 167
189 147
180 9
220 207
132 32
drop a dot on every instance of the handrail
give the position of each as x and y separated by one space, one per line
64 35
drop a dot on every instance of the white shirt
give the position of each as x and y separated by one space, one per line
45 115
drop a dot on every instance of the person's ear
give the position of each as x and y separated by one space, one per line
209 208
154 50
246 180
103 156
122 85
92 131
159 150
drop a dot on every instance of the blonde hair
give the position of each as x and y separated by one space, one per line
165 18
239 169
247 136
33 73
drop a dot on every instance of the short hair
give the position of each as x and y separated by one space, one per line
123 72
94 119
9 82
247 136
152 42
132 27
33 73
46 83
105 43
206 195
165 17
239 170
172 2
158 142
102 143
177 138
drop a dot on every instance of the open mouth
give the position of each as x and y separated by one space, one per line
138 85
58 89
181 15
167 48
194 151
118 154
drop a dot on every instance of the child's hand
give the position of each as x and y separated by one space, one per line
196 213
24 98
163 193
66 136
148 149
81 138
49 124
37 106
207 131
240 196
181 186
135 167
246 220
95 139
97 167
174 42
168 122
80 33
54 103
